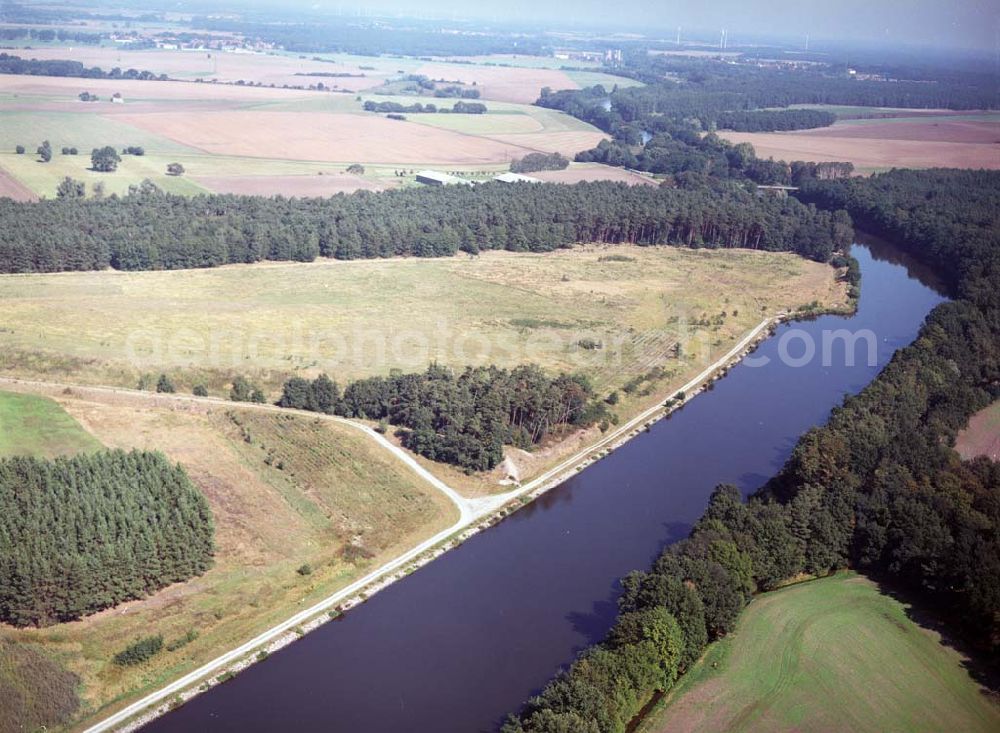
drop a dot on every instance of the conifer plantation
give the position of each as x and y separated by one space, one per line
464 419
84 533
151 230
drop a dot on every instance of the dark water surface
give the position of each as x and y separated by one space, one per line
469 637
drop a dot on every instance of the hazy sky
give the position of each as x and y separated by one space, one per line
960 23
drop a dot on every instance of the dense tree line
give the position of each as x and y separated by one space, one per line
84 533
533 162
877 487
49 35
149 229
10 64
456 90
464 419
906 87
423 84
690 156
774 120
373 38
468 108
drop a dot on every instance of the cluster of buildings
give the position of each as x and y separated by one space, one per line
189 42
437 178
609 56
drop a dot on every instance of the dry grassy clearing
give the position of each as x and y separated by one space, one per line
578 172
284 490
347 317
922 142
982 436
302 185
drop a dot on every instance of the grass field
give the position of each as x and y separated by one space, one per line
284 491
38 426
344 317
585 79
829 655
982 436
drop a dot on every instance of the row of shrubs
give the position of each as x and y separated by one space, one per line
242 389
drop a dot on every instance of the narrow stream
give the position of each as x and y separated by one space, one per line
469 637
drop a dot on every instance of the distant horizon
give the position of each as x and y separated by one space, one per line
969 25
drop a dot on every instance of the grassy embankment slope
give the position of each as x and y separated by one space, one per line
835 655
284 491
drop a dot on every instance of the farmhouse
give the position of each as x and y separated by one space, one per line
516 178
436 178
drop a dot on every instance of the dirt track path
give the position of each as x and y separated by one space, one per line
471 511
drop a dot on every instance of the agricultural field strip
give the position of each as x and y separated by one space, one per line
471 510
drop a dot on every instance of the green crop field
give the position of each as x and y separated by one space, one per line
608 81
834 655
497 123
38 426
84 130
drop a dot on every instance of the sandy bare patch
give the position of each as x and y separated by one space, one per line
569 143
982 436
322 136
869 152
303 185
504 84
10 187
954 130
577 174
